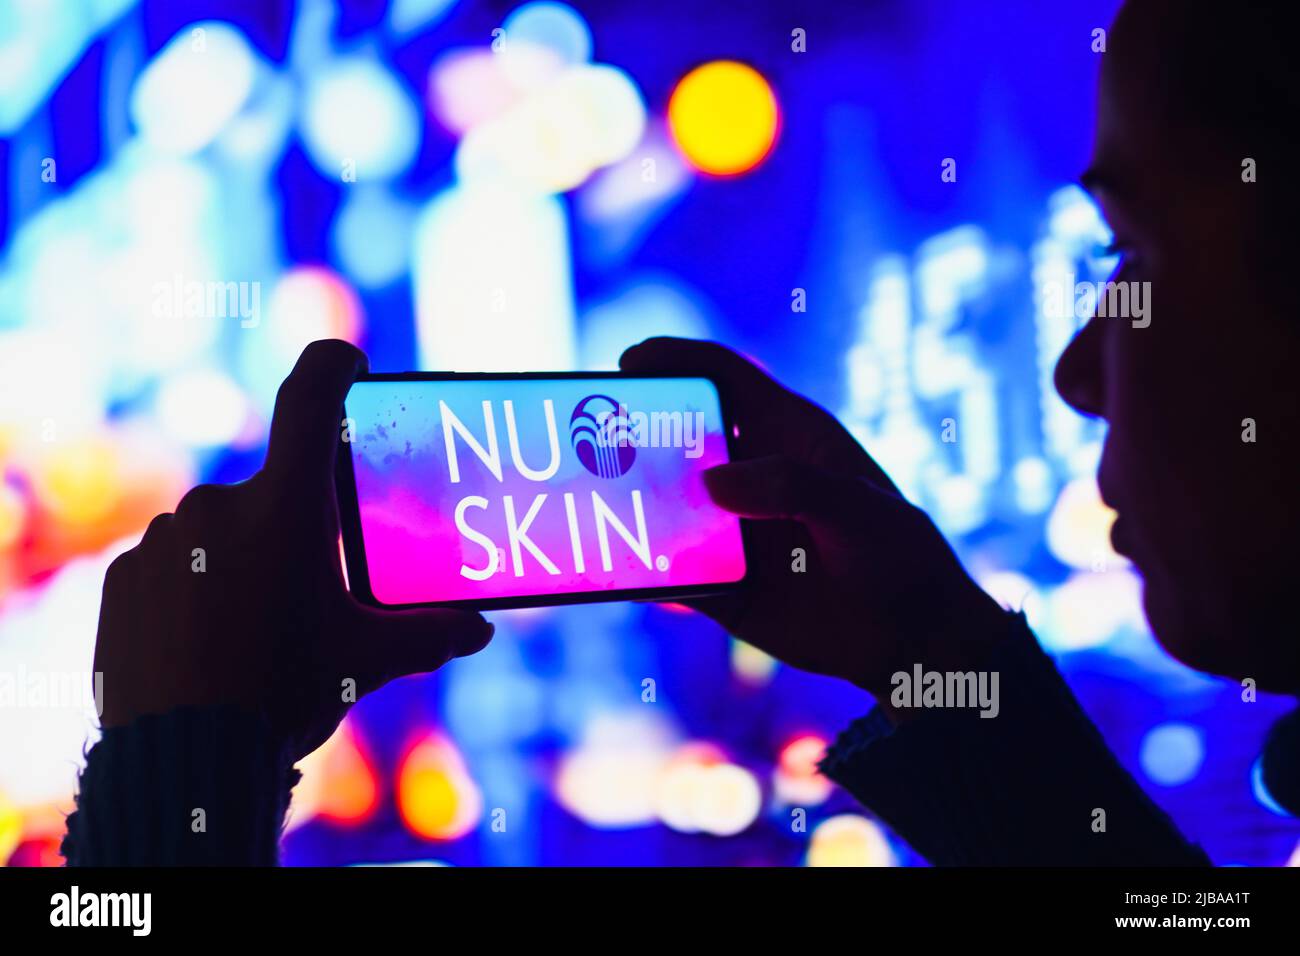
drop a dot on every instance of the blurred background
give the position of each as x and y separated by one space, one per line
193 190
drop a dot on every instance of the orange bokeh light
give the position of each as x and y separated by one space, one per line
435 795
351 787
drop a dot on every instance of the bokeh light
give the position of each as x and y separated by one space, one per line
541 39
195 85
340 782
797 781
11 828
587 117
699 791
467 87
723 117
849 840
360 123
1172 753
80 482
1078 530
372 237
752 665
308 304
203 408
13 513
610 779
435 795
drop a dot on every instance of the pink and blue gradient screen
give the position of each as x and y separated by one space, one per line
603 494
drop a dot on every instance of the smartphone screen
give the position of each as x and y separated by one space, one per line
520 490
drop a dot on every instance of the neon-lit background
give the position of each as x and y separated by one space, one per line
192 191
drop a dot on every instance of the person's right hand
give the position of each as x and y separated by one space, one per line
882 589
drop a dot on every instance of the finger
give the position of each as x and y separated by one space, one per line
201 501
392 644
725 609
771 418
113 639
157 554
158 527
306 425
778 487
117 576
738 377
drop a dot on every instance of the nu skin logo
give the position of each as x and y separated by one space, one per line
601 438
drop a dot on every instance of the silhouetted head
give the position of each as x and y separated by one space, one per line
1202 455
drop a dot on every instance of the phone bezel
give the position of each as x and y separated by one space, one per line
353 557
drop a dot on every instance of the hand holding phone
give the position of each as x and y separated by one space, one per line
846 577
237 598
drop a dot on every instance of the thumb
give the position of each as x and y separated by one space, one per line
392 644
308 412
777 486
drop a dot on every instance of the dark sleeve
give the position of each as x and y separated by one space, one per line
193 787
1033 786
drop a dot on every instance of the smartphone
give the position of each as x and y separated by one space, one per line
489 490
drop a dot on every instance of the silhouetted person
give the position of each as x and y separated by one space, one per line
241 666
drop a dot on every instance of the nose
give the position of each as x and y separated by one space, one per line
1079 373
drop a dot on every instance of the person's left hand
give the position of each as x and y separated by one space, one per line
238 597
